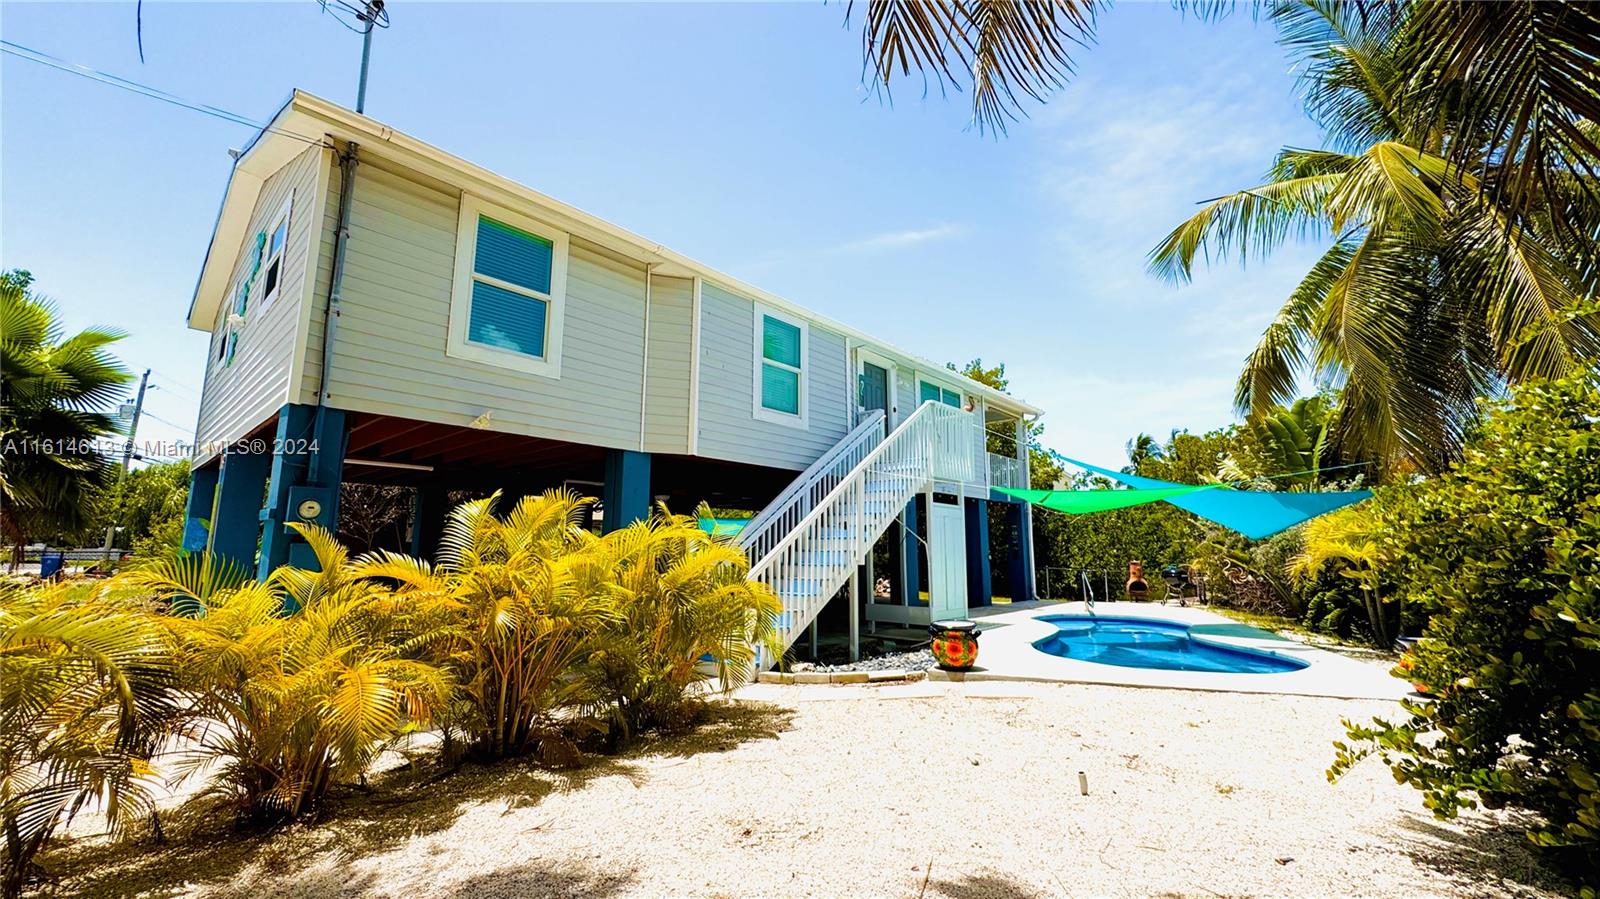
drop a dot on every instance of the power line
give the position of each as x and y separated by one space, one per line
173 385
143 90
149 414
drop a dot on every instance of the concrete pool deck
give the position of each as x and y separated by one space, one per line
1006 652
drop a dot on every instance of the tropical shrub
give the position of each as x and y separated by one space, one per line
684 605
148 506
291 702
87 690
58 391
514 610
1503 552
1336 605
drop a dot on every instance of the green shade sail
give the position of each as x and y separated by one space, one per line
1085 502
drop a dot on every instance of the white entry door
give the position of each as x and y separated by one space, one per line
947 561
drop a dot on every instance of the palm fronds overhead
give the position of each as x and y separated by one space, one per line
1437 285
1005 52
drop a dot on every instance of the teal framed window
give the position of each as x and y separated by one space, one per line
928 390
780 373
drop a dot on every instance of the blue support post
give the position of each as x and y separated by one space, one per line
427 520
307 468
197 513
626 493
980 591
911 559
1020 558
236 519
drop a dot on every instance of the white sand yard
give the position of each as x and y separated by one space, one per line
952 790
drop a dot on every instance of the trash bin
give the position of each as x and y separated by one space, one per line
955 644
51 563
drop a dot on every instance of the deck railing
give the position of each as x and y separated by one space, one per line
1005 471
810 562
802 495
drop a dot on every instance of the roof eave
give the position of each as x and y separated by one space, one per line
306 115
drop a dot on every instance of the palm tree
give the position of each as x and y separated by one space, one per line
688 614
1434 289
290 704
1286 446
52 412
87 690
1141 449
1348 537
512 611
1003 50
1529 73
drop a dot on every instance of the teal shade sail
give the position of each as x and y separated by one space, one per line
1255 514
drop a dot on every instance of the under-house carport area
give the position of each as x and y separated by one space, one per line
384 481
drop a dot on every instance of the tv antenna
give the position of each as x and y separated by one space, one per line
360 16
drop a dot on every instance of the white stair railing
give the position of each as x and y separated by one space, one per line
797 500
809 564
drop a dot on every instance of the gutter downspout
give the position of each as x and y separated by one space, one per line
341 243
644 368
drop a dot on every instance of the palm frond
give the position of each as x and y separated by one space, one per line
1007 51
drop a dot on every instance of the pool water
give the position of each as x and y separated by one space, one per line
1149 643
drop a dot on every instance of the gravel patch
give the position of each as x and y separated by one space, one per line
916 660
924 790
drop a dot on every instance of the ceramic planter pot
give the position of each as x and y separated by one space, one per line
955 644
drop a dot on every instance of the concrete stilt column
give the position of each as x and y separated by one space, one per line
307 468
236 514
626 493
198 511
980 590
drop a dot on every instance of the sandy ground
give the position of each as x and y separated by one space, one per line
932 790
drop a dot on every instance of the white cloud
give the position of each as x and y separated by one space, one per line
893 240
1125 162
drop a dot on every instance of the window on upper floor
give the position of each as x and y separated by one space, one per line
931 391
506 304
780 373
277 239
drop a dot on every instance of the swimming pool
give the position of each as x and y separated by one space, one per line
1151 643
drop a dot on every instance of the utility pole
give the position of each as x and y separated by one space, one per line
369 18
360 16
127 457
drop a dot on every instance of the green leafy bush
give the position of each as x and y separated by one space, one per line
688 614
1503 552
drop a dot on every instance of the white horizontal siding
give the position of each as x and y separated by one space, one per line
669 357
389 350
728 426
311 368
239 397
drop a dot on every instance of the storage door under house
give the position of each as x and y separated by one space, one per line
947 559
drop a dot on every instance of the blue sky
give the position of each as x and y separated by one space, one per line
738 134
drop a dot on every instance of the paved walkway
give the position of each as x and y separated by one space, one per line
1008 632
